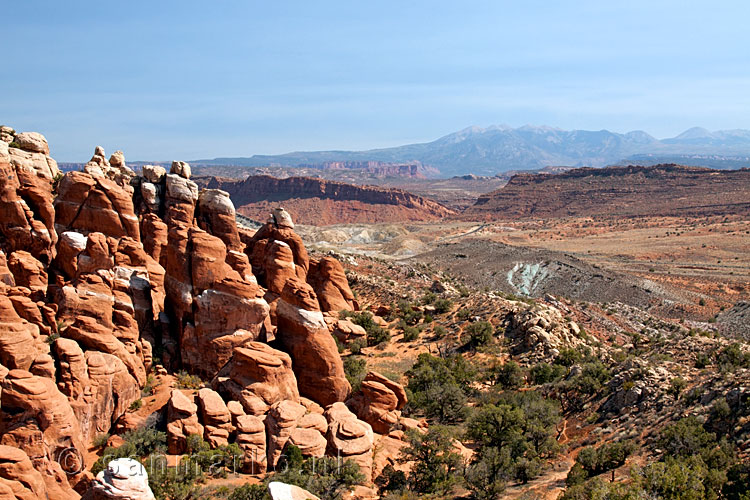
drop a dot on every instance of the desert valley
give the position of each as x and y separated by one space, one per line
371 330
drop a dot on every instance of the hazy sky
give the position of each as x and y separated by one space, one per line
166 80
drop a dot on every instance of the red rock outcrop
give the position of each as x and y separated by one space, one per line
660 190
304 334
18 478
147 259
281 422
26 213
217 421
349 437
378 402
257 376
251 438
182 421
322 202
88 204
36 418
327 278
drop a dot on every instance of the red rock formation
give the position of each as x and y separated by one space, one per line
661 190
304 334
251 438
18 478
87 203
26 212
217 421
349 437
141 259
378 402
182 421
281 422
322 202
257 376
330 284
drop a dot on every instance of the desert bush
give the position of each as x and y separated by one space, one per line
188 381
439 386
355 368
443 306
375 333
568 357
328 478
676 386
435 465
408 313
545 373
480 333
440 331
509 375
514 434
463 314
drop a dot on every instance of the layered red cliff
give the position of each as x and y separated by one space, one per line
661 190
322 202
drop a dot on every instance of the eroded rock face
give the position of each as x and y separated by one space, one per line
281 421
349 437
215 416
36 418
95 204
18 478
327 278
27 216
257 376
378 402
123 479
304 334
146 258
217 216
251 438
182 421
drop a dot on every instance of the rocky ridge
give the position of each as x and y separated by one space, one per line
322 202
660 190
103 271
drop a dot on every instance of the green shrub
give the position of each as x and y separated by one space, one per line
509 375
250 492
463 314
355 347
545 373
411 333
568 357
408 313
429 298
187 381
328 478
439 386
480 333
435 464
136 405
375 333
100 440
514 435
732 357
443 306
355 368
440 332
676 386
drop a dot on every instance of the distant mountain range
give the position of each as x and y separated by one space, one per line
495 149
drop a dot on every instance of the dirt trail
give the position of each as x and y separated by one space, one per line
548 486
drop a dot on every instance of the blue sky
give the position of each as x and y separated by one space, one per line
166 80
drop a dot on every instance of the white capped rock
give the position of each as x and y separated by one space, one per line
123 479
